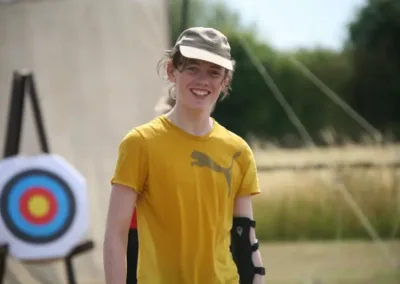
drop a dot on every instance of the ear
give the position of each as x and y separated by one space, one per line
225 82
171 72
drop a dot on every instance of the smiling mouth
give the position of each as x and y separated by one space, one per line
199 92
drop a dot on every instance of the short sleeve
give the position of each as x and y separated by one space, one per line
132 163
249 184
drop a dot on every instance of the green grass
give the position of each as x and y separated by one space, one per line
309 209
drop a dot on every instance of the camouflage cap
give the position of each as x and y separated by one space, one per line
206 44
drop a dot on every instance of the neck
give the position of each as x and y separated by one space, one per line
195 122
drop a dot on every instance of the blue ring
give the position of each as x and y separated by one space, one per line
55 189
9 215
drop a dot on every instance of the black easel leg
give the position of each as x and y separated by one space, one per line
15 116
79 249
37 114
70 271
3 260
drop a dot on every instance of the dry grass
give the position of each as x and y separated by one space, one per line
349 153
326 204
331 263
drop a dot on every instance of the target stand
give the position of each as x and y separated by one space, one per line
3 258
43 211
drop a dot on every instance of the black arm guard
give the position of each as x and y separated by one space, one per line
242 249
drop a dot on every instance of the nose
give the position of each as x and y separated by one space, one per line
202 79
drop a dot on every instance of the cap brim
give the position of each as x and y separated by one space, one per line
196 53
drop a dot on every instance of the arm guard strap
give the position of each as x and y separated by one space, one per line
242 249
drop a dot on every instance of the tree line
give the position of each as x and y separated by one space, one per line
281 97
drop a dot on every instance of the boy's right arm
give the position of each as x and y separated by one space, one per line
127 183
120 210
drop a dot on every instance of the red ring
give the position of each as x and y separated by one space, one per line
24 208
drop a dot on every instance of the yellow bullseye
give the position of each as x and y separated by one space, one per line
38 205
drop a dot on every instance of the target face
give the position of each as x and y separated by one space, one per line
43 206
37 206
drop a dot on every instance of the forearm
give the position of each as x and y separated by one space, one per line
114 252
244 243
257 261
257 258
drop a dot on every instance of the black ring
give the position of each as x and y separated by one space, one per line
4 207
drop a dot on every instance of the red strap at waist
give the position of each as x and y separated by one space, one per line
134 220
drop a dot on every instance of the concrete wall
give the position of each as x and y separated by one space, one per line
95 66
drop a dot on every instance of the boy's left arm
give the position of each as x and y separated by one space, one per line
244 244
244 247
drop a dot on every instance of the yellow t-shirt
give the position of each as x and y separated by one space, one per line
186 185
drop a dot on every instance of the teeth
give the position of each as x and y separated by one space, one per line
200 92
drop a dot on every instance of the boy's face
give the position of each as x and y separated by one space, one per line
198 84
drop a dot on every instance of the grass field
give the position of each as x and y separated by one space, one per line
313 205
353 262
328 204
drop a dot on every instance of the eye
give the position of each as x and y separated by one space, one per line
192 68
215 73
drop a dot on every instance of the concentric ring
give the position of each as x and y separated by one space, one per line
40 212
56 215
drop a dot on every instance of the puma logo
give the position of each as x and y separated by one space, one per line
203 160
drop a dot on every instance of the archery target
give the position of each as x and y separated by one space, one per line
43 211
37 206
